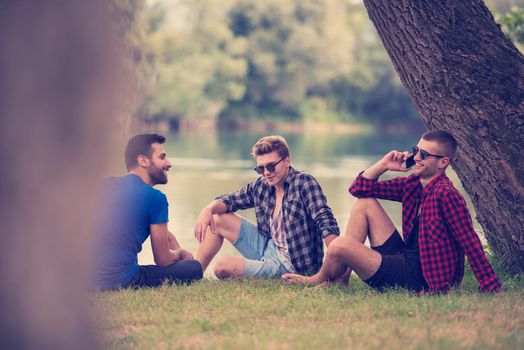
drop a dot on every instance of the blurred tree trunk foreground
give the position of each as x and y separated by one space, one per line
465 77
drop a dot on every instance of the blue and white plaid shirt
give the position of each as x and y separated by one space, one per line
307 217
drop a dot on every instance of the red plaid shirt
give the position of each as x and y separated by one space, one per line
446 231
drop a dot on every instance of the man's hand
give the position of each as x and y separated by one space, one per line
182 254
393 161
204 220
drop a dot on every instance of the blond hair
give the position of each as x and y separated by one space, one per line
268 144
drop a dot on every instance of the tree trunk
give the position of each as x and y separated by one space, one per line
465 77
60 91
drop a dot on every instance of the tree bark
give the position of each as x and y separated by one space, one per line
465 77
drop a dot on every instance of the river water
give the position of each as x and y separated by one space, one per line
207 164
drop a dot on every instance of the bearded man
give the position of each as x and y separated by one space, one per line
130 211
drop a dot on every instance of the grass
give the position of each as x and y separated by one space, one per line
256 314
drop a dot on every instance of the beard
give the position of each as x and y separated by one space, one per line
158 175
425 172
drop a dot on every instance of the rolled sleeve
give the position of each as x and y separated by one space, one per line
239 200
362 187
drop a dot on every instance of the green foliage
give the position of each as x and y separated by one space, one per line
513 25
189 66
294 48
316 61
270 59
372 90
510 16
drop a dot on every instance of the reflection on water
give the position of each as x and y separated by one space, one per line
206 165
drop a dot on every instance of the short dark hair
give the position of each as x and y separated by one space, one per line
268 144
140 145
443 138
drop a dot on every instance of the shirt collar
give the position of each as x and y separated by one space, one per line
429 186
290 175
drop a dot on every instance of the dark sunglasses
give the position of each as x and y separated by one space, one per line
424 154
270 167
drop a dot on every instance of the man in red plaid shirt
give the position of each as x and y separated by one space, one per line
436 224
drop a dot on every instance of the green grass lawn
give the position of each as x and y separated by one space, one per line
255 314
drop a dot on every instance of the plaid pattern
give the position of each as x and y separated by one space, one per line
446 231
307 217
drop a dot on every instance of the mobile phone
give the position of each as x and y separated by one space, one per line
410 161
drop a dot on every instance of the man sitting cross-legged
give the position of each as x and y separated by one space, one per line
436 223
130 211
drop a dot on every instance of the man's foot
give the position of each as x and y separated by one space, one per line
291 278
336 283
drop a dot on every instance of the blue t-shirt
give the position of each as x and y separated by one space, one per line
127 208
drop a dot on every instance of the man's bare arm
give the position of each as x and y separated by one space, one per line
160 243
391 161
330 238
173 243
205 219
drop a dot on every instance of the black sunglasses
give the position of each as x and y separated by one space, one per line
270 167
424 154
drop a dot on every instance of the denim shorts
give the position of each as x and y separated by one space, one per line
260 253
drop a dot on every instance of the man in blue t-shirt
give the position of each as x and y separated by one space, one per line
131 210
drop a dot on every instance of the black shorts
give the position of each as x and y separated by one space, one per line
394 270
181 272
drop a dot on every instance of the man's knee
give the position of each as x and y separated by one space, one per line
341 247
362 205
224 268
219 222
188 270
225 223
195 269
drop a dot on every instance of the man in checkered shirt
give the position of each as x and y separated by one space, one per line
293 220
436 226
